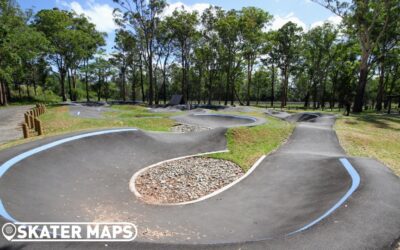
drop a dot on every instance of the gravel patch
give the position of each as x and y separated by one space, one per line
186 179
186 128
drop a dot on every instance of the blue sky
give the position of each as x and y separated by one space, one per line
303 12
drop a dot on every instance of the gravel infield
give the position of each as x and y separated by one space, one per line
185 179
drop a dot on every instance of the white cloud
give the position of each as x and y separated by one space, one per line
199 7
334 20
99 14
279 21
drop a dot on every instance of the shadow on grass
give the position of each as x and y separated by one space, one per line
383 121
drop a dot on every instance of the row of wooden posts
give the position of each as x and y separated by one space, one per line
32 122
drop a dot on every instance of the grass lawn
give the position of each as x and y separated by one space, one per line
372 135
247 144
57 120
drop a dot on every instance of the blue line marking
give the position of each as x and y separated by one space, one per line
5 214
355 177
8 164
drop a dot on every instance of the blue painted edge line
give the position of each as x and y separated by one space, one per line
355 177
8 164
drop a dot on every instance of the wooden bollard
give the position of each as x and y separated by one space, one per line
26 116
38 126
25 130
32 121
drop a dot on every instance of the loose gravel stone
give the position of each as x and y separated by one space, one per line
186 179
186 128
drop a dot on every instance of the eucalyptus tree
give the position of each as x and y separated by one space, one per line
91 41
55 25
385 52
289 40
99 70
270 50
319 52
210 48
30 46
228 29
11 18
344 70
124 57
183 28
252 21
369 21
165 45
142 17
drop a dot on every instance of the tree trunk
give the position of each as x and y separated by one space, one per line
27 90
73 78
3 94
273 86
142 83
165 85
284 86
69 85
156 97
62 82
307 100
209 89
379 96
362 82
123 90
150 66
86 62
227 91
315 94
248 81
134 86
187 70
34 87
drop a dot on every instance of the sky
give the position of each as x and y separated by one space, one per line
305 13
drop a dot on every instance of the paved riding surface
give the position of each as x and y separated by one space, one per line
10 122
212 120
87 180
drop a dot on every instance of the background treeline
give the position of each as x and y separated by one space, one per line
221 56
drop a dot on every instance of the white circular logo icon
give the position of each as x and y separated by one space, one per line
9 231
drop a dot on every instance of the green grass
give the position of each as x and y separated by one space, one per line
57 120
247 144
371 135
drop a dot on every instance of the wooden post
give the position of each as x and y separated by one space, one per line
25 130
38 126
26 116
32 121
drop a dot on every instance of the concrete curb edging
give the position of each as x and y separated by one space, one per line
132 182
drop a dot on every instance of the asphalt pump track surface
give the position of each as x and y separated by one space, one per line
306 195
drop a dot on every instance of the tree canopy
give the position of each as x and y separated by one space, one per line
217 56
